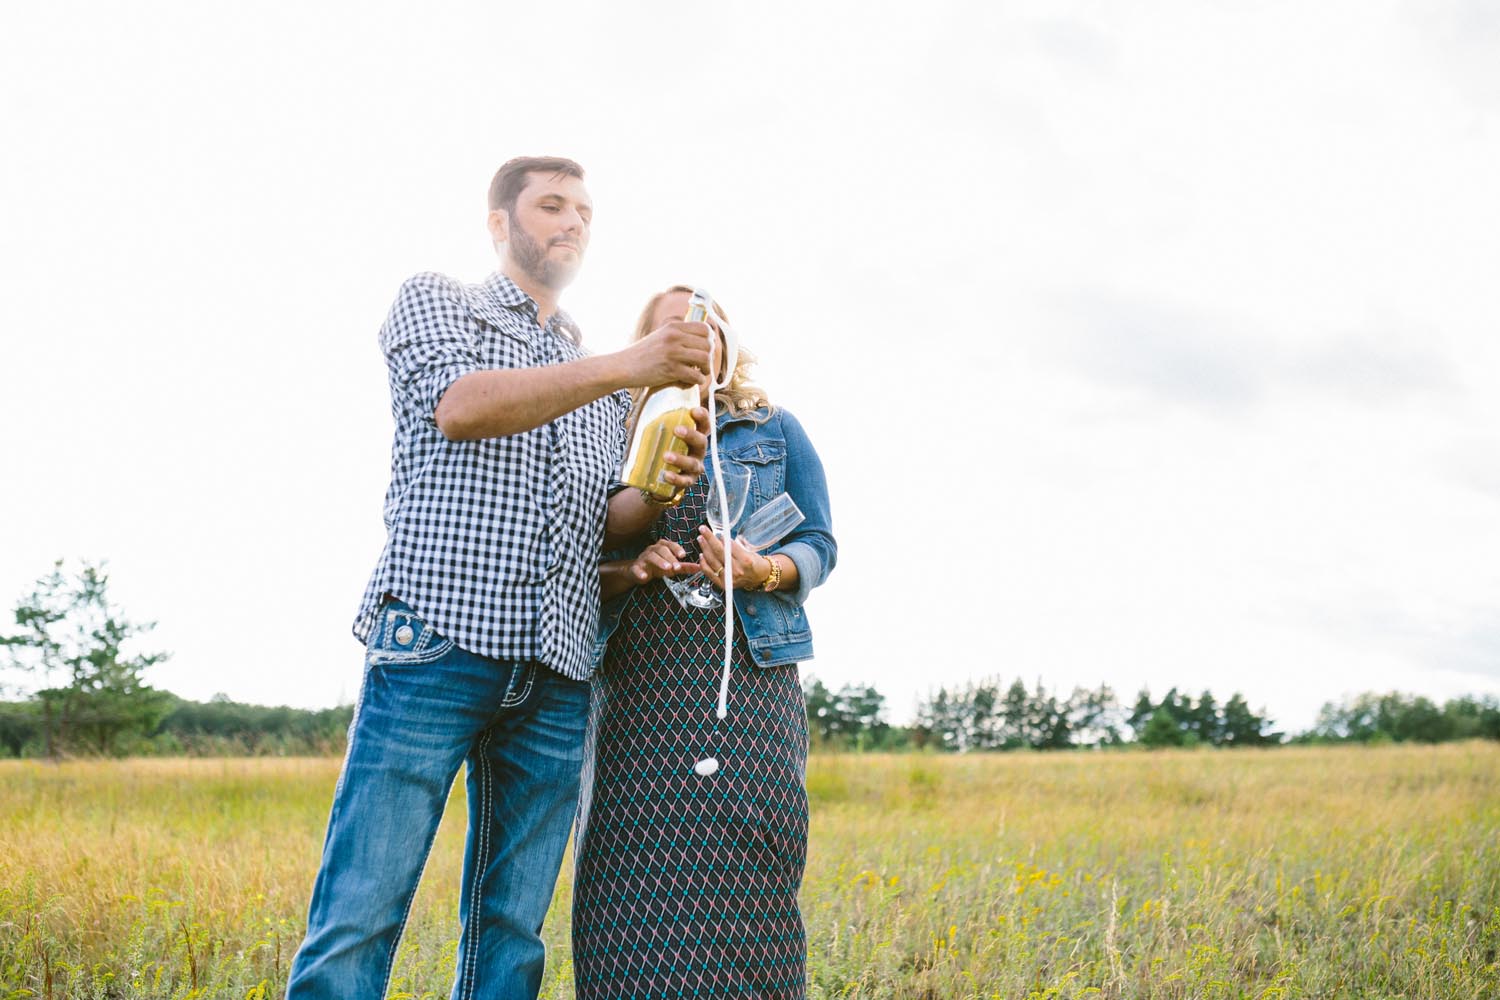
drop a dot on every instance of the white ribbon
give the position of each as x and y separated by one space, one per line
713 442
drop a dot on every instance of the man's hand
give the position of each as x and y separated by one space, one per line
659 559
675 354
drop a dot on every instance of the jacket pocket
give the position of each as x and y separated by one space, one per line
766 459
759 452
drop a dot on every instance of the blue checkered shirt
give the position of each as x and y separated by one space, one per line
495 543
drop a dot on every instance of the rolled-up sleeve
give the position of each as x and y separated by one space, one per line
429 341
811 546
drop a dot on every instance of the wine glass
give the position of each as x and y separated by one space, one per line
766 526
733 488
770 523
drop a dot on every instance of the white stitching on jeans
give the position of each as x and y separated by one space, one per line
481 862
427 647
511 702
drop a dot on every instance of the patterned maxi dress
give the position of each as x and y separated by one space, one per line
686 886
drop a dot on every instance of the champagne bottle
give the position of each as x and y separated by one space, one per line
661 412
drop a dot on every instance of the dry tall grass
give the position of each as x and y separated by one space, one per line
1287 873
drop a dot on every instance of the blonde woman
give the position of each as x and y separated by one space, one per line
686 884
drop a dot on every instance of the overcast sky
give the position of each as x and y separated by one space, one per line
1147 344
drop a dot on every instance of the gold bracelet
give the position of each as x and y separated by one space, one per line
774 580
652 500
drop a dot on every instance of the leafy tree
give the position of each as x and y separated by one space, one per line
1199 722
71 637
1354 720
1419 720
1015 716
943 721
1203 720
864 707
1094 717
1179 708
1400 718
820 705
1244 728
1470 718
850 717
977 716
1163 730
982 721
20 727
1050 728
1140 714
221 726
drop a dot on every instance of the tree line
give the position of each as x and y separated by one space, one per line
179 727
990 715
975 717
92 699
1402 718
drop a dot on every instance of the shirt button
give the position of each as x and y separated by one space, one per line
750 611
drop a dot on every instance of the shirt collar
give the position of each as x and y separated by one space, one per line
506 292
501 291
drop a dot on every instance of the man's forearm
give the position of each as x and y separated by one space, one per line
629 515
506 401
615 578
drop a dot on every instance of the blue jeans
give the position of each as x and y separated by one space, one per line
427 706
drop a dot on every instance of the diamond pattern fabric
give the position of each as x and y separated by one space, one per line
686 885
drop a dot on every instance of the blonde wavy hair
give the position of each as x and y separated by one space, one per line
741 396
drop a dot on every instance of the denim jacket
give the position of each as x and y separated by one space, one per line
774 446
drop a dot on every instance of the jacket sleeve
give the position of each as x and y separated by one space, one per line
811 546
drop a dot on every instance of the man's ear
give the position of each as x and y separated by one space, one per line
499 226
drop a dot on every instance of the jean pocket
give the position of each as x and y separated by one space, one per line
402 638
518 688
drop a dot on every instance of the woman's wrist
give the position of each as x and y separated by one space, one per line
772 578
760 571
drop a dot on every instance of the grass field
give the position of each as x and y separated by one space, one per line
1287 873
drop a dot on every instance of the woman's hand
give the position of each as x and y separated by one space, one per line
751 569
684 469
659 559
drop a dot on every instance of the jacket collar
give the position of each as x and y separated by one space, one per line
759 415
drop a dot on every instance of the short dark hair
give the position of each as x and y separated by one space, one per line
510 179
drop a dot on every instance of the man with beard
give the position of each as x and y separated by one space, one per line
479 619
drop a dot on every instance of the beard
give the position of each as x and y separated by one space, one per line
531 257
